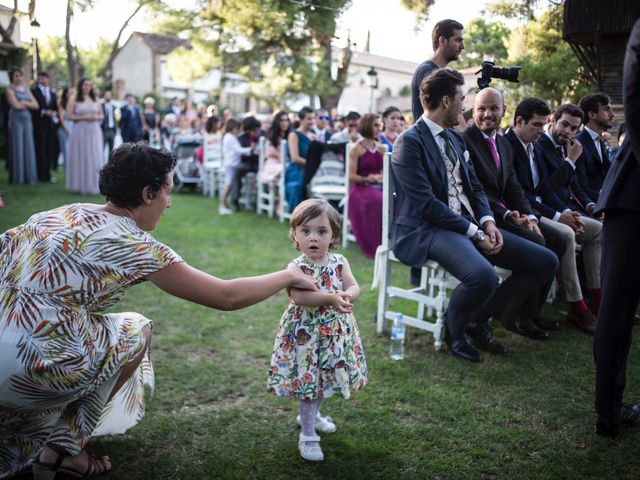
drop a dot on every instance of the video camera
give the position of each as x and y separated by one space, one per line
489 71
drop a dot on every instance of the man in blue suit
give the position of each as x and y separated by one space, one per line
620 201
593 164
130 120
442 214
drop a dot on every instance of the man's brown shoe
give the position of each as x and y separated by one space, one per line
584 320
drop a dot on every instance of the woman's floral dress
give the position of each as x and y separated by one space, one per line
318 352
60 354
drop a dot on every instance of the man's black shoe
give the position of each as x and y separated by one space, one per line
628 416
462 348
482 337
526 328
548 325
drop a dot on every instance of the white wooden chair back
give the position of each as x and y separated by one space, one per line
346 235
266 199
283 206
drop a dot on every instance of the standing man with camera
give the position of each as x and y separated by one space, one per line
448 43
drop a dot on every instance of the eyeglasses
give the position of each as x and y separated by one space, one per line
324 117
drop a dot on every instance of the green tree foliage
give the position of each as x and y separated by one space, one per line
420 8
484 40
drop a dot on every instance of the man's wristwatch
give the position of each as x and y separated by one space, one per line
479 236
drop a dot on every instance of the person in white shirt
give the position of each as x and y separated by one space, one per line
232 153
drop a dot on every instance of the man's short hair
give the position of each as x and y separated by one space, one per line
531 106
250 123
444 28
304 111
592 103
352 116
568 108
43 74
439 84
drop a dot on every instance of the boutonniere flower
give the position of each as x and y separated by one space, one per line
466 156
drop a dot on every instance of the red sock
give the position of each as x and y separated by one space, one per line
596 295
579 306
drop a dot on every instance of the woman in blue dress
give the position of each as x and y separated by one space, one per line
391 118
22 154
298 143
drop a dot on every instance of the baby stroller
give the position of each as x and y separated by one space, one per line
188 171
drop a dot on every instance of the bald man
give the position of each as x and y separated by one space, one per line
492 158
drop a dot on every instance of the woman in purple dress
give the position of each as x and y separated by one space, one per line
365 177
86 147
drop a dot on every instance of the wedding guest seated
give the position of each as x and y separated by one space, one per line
322 128
272 167
232 153
298 143
365 177
391 118
350 132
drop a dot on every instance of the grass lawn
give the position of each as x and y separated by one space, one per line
528 415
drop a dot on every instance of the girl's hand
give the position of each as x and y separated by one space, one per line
340 301
299 280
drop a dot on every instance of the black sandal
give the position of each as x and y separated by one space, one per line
46 471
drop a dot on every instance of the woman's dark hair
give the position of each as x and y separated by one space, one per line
212 125
388 111
365 125
12 72
231 125
79 96
275 133
131 168
64 98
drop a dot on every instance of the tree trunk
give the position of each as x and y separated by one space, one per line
107 71
72 62
330 99
6 33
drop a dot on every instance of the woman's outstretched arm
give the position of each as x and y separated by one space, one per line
189 283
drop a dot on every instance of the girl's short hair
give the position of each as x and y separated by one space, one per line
313 208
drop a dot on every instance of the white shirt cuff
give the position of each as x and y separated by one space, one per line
556 217
471 231
504 217
566 210
570 162
487 218
533 218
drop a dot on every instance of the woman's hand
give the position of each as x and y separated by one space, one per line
299 280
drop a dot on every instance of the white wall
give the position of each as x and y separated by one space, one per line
133 66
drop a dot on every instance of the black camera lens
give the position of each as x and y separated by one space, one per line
508 73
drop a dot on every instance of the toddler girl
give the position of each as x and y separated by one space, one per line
318 352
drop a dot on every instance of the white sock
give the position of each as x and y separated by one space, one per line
308 411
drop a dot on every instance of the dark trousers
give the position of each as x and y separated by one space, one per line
620 274
531 306
109 135
47 149
479 294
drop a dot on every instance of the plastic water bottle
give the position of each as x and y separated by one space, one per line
398 329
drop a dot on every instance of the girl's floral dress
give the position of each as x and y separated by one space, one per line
318 352
60 351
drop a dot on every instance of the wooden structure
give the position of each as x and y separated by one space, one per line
597 32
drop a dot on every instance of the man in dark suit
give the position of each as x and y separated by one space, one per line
108 124
448 43
130 120
620 201
44 128
530 119
562 154
594 163
443 214
175 107
492 158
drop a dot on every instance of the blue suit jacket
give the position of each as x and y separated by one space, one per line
130 124
590 170
422 193
541 197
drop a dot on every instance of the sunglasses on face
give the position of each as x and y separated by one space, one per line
324 117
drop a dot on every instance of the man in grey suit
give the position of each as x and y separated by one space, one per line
442 214
620 201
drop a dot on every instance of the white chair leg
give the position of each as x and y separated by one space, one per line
383 299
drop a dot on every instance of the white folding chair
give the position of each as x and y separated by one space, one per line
435 282
283 206
346 236
266 200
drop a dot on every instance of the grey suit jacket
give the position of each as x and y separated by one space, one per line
422 193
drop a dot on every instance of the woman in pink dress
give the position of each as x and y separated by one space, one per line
365 177
86 147
279 131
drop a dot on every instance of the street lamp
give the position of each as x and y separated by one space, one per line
372 80
35 30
